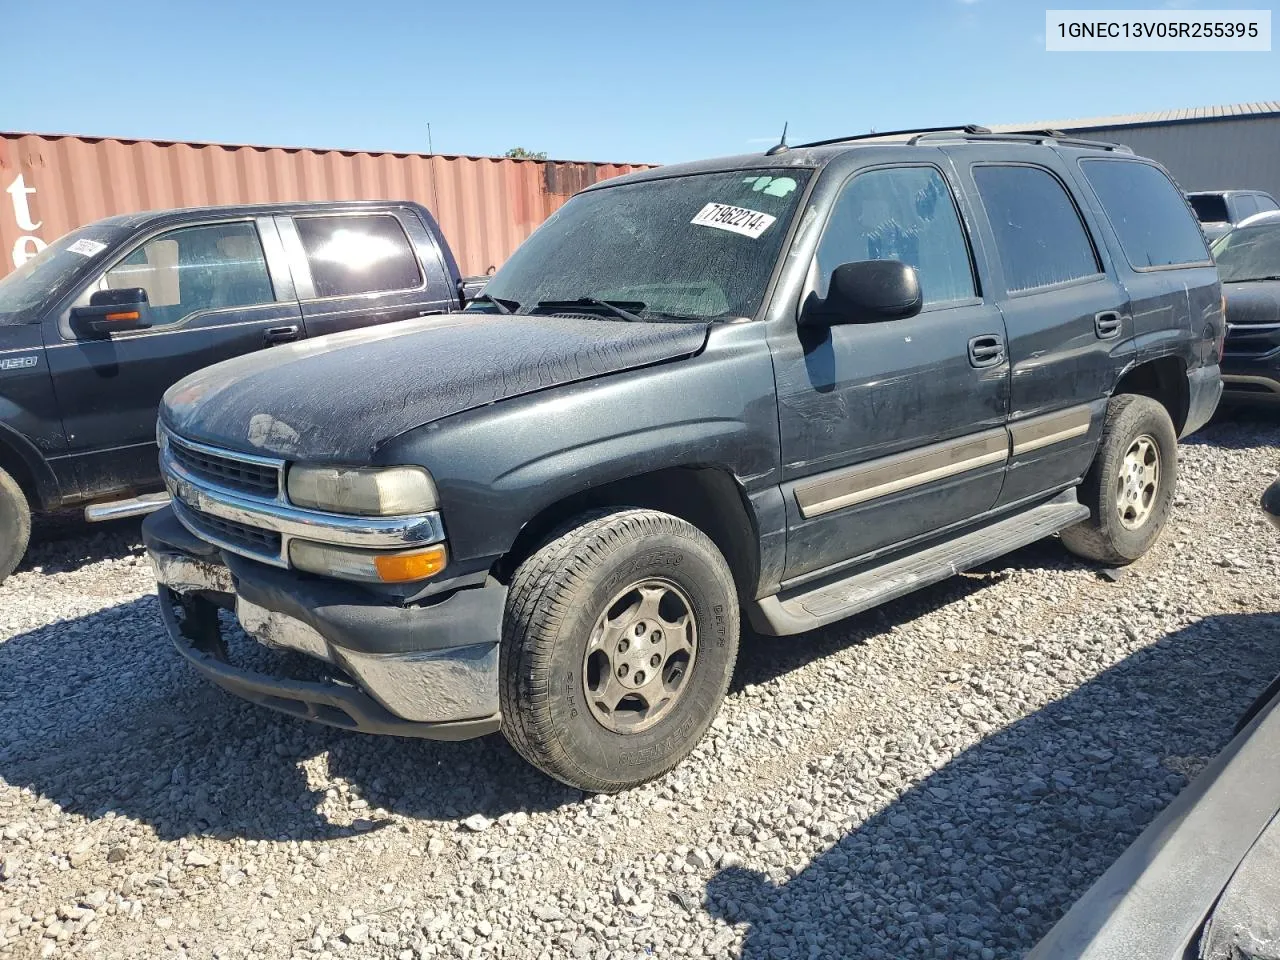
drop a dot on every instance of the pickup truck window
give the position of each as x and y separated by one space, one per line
192 269
350 255
700 246
1147 213
1210 208
1039 235
906 214
1265 203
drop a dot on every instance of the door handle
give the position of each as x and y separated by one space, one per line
986 350
1106 324
280 334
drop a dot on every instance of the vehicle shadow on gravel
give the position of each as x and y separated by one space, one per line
100 714
983 856
64 542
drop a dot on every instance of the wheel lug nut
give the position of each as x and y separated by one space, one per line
623 644
641 627
640 677
623 670
655 660
656 636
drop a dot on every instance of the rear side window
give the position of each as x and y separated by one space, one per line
1265 203
358 254
1039 235
1147 212
1246 207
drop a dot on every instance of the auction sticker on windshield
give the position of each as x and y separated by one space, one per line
748 223
87 248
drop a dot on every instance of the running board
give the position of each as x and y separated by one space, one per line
806 609
135 507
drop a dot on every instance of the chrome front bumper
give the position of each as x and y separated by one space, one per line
437 692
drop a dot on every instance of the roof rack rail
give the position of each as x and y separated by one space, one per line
967 128
1029 136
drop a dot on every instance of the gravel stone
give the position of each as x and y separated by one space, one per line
941 777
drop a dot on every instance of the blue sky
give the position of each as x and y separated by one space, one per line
662 81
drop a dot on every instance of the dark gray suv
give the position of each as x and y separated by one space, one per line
785 387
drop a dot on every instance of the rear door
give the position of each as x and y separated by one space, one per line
892 430
1066 315
357 269
217 289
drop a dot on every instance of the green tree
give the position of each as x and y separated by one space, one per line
520 153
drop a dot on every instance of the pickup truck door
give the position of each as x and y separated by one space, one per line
1067 316
357 269
217 288
895 429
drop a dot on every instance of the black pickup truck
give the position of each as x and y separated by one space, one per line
786 386
99 324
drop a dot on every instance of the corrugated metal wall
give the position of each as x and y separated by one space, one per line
485 206
1220 154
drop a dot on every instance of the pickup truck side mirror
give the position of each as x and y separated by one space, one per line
868 291
111 311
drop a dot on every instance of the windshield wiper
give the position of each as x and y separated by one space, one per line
505 307
623 309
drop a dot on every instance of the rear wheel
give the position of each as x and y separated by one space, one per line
618 645
1129 489
15 524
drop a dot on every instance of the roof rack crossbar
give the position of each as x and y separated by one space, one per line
967 128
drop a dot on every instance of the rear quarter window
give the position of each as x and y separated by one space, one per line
1147 212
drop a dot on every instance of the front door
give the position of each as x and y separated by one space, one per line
894 429
212 296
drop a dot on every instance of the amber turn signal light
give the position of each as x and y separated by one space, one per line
408 567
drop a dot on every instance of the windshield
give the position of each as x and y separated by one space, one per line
1209 209
696 247
47 275
1249 253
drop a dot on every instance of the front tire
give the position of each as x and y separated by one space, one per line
15 524
1129 488
618 645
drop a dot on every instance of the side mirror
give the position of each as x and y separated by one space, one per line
868 291
112 311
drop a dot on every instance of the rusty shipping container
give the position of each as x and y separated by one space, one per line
485 205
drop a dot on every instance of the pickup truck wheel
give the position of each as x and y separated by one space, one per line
1129 488
15 524
618 645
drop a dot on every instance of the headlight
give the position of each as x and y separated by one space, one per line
368 565
363 491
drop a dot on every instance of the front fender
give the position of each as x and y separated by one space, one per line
498 467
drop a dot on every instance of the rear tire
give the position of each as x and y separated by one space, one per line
1129 488
618 645
15 524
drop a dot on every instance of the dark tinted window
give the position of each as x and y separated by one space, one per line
1147 212
358 255
1039 236
905 214
1209 208
194 269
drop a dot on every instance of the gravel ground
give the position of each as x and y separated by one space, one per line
939 778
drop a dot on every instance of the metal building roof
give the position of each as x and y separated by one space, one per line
1261 108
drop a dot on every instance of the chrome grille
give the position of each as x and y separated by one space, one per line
227 470
255 541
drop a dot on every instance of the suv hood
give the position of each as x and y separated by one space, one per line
1252 301
336 398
